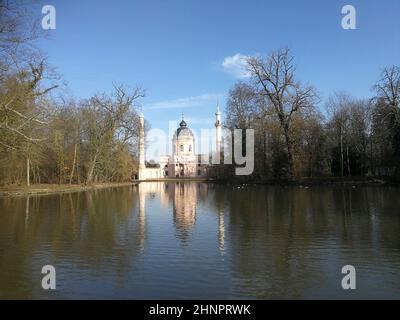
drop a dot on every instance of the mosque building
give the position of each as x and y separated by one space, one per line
184 162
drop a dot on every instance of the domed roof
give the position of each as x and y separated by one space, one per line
183 130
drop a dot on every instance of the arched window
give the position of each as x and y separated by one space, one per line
190 148
181 147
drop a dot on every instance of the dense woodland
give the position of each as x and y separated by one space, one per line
46 136
296 135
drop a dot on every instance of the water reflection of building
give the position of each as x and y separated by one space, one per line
183 197
153 189
142 216
221 231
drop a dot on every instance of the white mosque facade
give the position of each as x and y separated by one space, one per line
184 162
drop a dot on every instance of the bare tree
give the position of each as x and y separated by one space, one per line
22 71
21 116
241 106
338 107
388 92
274 76
388 87
109 118
19 29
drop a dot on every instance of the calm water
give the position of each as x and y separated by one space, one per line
196 240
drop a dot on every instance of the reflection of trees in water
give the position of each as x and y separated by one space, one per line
85 230
282 239
15 244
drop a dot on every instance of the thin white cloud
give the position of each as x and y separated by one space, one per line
236 65
186 102
204 121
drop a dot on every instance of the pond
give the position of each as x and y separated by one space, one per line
195 240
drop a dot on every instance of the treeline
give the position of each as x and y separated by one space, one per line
46 137
296 138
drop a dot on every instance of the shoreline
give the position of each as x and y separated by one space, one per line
45 189
320 181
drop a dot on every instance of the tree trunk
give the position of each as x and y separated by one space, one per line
341 153
289 145
91 170
73 164
348 160
78 174
372 160
265 153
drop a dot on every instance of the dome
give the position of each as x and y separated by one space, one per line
183 130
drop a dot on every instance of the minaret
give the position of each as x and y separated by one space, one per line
218 129
142 165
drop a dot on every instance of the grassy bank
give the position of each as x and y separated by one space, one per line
56 188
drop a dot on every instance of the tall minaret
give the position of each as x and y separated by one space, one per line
142 165
218 129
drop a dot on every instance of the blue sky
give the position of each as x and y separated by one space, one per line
176 49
